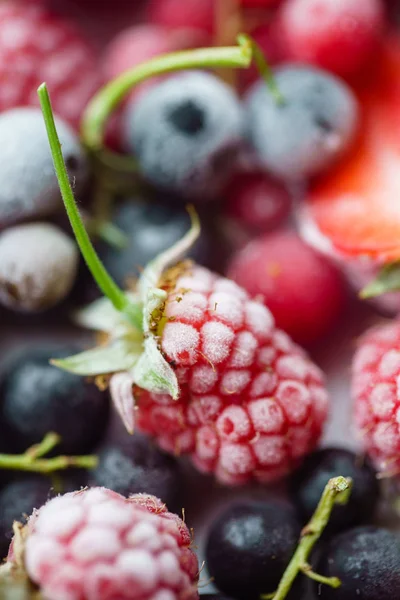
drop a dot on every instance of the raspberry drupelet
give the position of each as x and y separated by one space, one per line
375 390
95 544
251 402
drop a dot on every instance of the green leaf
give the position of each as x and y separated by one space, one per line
120 355
153 373
388 280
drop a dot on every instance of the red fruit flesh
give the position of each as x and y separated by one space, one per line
197 14
357 205
338 35
301 288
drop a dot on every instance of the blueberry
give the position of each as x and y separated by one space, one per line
37 398
309 130
186 133
367 562
151 228
309 481
28 184
38 266
134 464
17 501
249 546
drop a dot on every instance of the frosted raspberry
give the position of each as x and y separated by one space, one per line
98 545
37 46
251 401
196 14
376 394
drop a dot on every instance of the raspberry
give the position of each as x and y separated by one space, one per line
196 14
251 402
338 35
98 545
375 381
302 288
37 46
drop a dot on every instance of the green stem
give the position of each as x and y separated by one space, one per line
333 582
32 460
103 279
337 491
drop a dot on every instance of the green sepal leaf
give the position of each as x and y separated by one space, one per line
120 355
153 373
388 280
101 315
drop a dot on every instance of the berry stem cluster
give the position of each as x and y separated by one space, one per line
337 491
33 459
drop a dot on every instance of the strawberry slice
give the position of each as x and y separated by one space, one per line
357 205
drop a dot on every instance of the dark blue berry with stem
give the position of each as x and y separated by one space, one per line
28 184
36 397
367 562
309 130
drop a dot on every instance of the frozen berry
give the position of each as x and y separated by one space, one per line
340 36
257 201
303 290
38 266
151 228
37 398
309 130
197 14
28 184
96 544
186 133
59 55
249 547
308 483
133 464
367 562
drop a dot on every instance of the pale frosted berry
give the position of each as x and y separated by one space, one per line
98 545
302 288
251 401
28 184
375 390
198 14
38 266
37 46
338 35
186 133
309 130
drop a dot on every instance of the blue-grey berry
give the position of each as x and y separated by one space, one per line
186 133
307 132
28 184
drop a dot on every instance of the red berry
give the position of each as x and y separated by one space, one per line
251 403
375 390
98 545
37 46
196 14
259 3
257 201
301 288
338 35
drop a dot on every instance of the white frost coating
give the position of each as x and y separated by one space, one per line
234 382
207 443
236 459
282 341
180 342
295 399
72 517
227 309
259 320
233 424
386 439
266 415
266 356
203 410
292 367
142 534
366 356
300 440
121 391
390 364
204 378
164 595
217 339
320 402
231 288
37 549
263 384
95 543
244 350
382 399
38 266
108 514
140 566
270 450
189 307
199 280
168 568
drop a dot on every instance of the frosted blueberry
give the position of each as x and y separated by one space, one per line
186 133
309 130
28 184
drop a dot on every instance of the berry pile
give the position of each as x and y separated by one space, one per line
235 164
